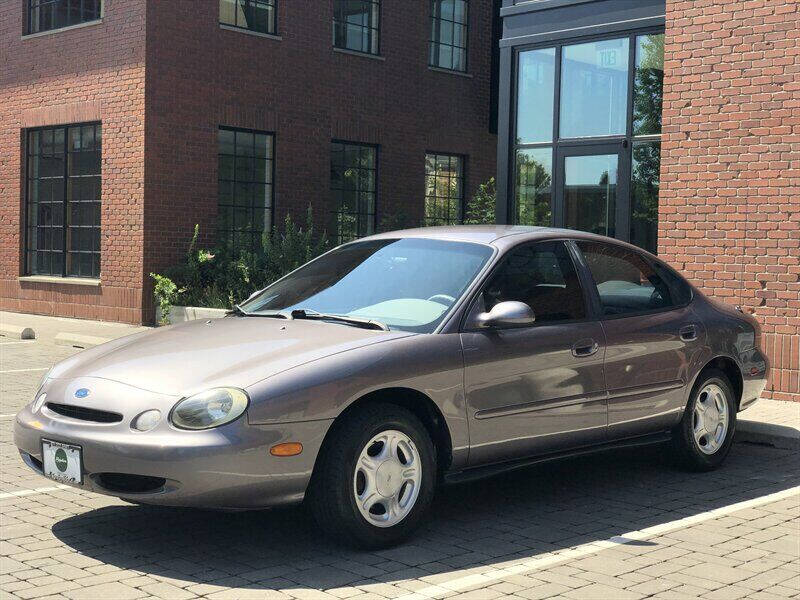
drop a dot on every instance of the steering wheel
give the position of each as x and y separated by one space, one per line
442 299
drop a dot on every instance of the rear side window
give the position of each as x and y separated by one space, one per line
626 282
543 277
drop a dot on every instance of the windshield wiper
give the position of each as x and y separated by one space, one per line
238 310
305 313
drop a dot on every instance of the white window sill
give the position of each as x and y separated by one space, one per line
62 29
357 53
269 36
450 72
61 280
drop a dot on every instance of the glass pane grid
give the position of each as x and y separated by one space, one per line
449 29
45 15
64 184
356 25
245 190
253 15
444 189
353 189
591 104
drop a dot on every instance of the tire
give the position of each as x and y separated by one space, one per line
701 450
393 502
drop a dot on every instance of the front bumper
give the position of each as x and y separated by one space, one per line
229 467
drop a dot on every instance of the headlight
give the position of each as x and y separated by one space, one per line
146 420
208 409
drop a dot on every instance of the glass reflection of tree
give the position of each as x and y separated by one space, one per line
644 194
533 192
649 85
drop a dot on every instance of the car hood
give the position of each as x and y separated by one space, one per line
235 351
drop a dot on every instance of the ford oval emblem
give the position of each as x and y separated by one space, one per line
81 393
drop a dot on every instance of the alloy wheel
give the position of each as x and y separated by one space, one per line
387 478
711 419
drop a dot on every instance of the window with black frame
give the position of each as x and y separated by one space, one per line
252 15
444 188
46 15
245 189
356 25
63 201
353 189
588 136
449 27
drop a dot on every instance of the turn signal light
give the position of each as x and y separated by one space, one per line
287 449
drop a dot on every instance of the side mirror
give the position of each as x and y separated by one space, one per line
506 315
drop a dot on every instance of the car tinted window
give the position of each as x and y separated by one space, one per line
626 282
543 277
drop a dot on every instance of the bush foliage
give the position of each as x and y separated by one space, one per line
219 278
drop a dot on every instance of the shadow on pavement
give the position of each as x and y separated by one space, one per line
515 516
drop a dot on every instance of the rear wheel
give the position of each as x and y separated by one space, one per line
374 478
705 434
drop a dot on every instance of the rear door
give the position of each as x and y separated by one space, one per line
538 389
651 335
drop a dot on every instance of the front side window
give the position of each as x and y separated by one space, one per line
444 189
356 25
45 15
542 276
63 201
448 45
625 281
408 284
353 184
245 192
254 15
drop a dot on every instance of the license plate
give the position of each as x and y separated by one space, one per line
62 462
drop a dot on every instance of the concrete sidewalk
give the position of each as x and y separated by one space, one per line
772 422
80 333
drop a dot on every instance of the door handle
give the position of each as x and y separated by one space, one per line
583 348
688 333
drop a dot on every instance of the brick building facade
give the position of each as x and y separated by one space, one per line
682 119
729 213
162 78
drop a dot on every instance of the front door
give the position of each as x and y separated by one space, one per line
538 389
593 180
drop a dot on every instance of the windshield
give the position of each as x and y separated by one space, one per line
407 284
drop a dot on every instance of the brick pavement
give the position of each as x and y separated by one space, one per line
545 532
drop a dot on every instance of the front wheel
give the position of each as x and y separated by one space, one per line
704 436
374 478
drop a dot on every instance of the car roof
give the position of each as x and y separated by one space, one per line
496 235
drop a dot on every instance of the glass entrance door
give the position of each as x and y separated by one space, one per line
592 181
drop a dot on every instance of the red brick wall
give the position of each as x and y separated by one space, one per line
84 74
200 76
730 172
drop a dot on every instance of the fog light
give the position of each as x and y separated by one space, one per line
147 420
37 406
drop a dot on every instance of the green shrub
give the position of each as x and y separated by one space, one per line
220 278
481 207
165 292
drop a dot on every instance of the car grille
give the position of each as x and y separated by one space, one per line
123 483
84 414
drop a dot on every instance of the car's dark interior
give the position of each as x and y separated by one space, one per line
543 277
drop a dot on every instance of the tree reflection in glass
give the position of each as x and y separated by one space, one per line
533 189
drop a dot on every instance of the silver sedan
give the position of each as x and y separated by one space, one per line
369 376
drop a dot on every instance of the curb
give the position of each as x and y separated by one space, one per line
770 434
77 340
18 333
